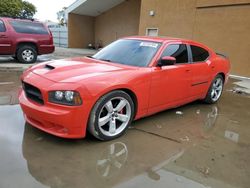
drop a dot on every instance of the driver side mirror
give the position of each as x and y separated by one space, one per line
166 60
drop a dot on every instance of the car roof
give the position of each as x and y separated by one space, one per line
163 39
157 39
19 19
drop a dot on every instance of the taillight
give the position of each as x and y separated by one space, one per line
51 37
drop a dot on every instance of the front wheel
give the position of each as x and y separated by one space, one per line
215 90
111 115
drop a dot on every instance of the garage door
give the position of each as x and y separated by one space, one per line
226 28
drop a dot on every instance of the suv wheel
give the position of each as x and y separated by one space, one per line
26 54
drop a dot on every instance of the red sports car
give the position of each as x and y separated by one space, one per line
129 79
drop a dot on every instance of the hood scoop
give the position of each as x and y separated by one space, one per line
50 67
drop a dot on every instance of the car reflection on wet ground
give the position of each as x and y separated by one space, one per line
194 146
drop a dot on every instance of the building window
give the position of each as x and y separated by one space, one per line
153 32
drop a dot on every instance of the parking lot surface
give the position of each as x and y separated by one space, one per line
9 64
194 146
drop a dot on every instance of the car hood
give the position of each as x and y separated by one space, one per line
76 69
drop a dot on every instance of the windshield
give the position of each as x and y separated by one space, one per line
129 52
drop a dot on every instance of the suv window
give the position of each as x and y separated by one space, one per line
2 27
28 27
179 51
199 54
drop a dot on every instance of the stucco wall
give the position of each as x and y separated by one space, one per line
122 20
80 30
223 25
172 17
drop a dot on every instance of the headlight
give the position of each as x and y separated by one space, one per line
59 95
71 98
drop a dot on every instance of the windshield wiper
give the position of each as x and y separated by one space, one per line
108 60
89 56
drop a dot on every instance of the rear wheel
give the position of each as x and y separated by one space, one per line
27 54
215 90
111 115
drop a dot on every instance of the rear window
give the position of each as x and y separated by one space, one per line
199 54
2 27
28 27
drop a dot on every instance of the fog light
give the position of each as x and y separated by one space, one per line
69 96
59 95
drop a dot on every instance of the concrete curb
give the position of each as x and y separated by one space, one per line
239 77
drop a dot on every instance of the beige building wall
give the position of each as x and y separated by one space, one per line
80 30
120 21
227 30
173 18
223 25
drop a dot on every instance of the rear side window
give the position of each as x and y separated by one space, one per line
2 27
28 27
179 51
199 54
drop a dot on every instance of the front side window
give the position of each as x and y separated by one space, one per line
28 27
2 27
129 52
199 54
178 51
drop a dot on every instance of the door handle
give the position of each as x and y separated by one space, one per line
188 70
3 36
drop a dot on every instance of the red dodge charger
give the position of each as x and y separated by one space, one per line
129 79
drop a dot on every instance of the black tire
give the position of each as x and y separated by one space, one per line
93 126
29 50
209 97
14 57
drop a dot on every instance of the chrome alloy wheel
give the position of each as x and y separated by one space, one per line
217 89
28 55
114 116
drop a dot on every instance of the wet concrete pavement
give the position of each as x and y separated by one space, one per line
194 146
8 63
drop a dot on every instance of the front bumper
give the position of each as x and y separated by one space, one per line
59 120
66 123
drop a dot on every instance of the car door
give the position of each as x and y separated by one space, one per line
200 70
5 42
170 84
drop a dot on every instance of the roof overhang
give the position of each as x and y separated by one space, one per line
92 7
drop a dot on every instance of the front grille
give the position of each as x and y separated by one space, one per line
33 93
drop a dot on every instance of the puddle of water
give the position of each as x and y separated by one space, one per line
205 146
232 136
